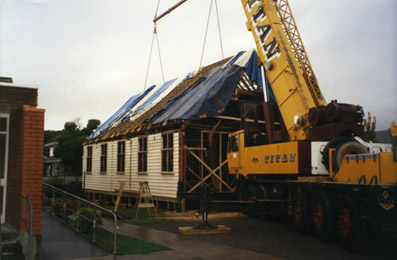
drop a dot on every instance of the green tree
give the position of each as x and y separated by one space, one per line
91 126
369 129
70 147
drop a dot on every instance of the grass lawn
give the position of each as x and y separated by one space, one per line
127 245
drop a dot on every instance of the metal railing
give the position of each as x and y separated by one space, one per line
29 226
82 215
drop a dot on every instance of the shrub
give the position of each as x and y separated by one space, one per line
86 219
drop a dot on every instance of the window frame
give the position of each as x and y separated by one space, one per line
142 154
167 153
89 160
103 159
121 157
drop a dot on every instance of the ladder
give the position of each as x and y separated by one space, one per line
144 199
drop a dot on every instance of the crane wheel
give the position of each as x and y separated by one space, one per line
252 192
347 221
348 226
343 145
353 147
301 212
252 195
352 232
323 217
242 192
262 192
248 192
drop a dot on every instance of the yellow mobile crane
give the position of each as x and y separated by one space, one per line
349 191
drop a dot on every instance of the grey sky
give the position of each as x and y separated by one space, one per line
89 56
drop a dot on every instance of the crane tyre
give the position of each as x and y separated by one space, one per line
252 192
263 194
242 192
351 233
336 143
251 195
324 224
343 149
301 212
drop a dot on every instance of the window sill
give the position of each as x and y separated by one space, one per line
142 173
89 173
120 173
103 173
167 173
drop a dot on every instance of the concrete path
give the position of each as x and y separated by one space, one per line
183 247
59 242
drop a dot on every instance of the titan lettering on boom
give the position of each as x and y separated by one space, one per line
271 50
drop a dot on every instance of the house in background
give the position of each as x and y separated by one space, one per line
51 163
174 136
21 162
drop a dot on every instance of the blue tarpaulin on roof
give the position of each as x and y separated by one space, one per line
210 95
250 60
150 100
235 58
127 106
269 90
253 71
207 97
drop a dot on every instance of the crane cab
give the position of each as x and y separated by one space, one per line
247 155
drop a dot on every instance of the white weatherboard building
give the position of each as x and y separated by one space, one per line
174 136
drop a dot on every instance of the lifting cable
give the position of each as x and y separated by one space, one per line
219 27
151 48
206 31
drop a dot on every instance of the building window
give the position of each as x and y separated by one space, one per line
104 157
121 156
142 155
89 159
167 153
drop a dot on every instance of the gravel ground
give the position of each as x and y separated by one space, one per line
279 238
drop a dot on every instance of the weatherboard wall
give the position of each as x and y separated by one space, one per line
161 184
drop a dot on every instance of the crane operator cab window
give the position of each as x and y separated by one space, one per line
233 144
251 115
254 139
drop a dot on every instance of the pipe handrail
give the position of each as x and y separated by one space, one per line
95 206
29 227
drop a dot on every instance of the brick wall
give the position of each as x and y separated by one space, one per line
25 167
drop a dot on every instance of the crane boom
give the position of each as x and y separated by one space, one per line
281 50
291 31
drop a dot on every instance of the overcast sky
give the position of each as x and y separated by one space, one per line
87 57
